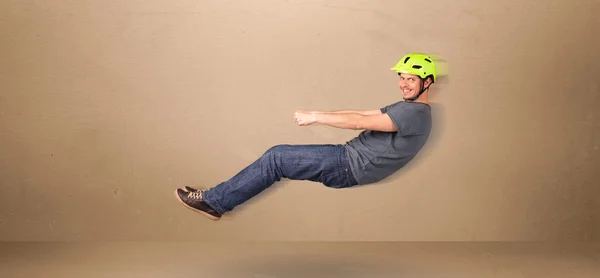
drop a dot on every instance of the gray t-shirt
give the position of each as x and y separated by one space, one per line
375 155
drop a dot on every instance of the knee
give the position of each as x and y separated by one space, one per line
276 150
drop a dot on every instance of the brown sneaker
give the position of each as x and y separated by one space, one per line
193 200
190 189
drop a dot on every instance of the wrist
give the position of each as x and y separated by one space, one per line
314 116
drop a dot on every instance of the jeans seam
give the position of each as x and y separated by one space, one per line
334 173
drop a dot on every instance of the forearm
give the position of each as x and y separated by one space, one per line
342 112
339 119
362 112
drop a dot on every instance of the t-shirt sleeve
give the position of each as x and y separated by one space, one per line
406 120
386 108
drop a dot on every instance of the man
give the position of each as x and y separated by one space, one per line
391 137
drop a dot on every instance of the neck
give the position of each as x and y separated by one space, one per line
423 98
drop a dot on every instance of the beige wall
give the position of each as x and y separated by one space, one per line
107 106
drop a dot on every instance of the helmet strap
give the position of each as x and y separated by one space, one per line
421 92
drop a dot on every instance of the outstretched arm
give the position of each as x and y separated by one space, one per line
362 112
368 120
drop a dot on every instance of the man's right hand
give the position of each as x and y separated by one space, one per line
304 118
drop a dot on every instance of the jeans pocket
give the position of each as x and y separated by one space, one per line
338 179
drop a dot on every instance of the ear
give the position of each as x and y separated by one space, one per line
427 82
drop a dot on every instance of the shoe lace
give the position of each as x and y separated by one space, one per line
196 195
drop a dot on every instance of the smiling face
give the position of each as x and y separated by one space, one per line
410 85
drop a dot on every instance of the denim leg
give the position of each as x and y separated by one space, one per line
327 164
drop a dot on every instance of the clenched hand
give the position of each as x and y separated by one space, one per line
304 118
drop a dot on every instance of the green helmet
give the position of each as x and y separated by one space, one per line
416 64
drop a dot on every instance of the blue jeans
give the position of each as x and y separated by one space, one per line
326 164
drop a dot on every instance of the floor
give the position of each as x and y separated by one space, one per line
299 259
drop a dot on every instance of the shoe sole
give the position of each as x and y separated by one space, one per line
207 215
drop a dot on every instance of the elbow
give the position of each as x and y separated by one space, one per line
359 124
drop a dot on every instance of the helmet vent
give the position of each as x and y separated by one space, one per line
406 60
427 60
416 67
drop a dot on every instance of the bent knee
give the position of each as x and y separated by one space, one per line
277 149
